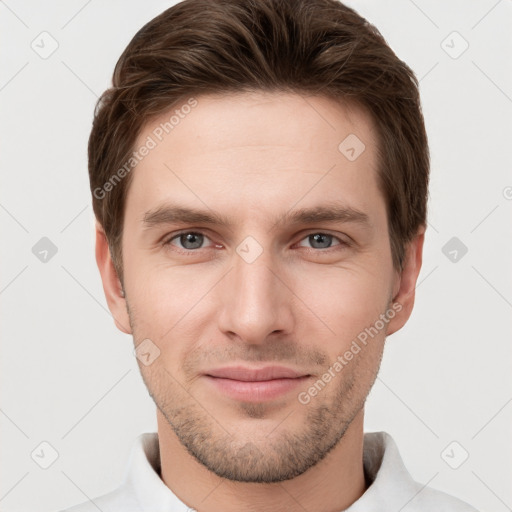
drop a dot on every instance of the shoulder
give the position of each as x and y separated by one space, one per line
432 499
121 498
393 485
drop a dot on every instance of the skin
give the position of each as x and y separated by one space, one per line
254 157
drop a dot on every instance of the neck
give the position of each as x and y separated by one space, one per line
332 485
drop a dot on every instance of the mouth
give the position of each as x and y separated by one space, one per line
255 384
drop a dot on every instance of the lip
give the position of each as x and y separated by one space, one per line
246 374
255 384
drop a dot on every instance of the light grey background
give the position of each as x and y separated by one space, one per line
69 377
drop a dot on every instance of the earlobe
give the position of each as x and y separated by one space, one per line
112 288
406 286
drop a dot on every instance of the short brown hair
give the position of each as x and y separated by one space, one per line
318 47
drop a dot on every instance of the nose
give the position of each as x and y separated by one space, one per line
256 300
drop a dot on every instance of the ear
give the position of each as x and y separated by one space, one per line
111 284
405 286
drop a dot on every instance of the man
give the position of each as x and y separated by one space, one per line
259 173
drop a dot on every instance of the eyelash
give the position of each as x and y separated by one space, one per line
189 252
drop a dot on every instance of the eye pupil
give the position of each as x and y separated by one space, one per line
322 239
195 239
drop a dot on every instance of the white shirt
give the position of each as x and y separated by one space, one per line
392 488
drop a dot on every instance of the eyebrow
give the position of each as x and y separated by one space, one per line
330 212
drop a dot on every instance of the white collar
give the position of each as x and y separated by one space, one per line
392 487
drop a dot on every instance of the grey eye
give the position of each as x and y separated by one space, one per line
190 240
320 240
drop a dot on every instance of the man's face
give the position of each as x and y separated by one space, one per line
265 290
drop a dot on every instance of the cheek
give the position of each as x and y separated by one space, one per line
169 306
346 300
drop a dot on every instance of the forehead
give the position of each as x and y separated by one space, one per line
219 122
257 150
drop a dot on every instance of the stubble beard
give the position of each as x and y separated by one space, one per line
274 457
